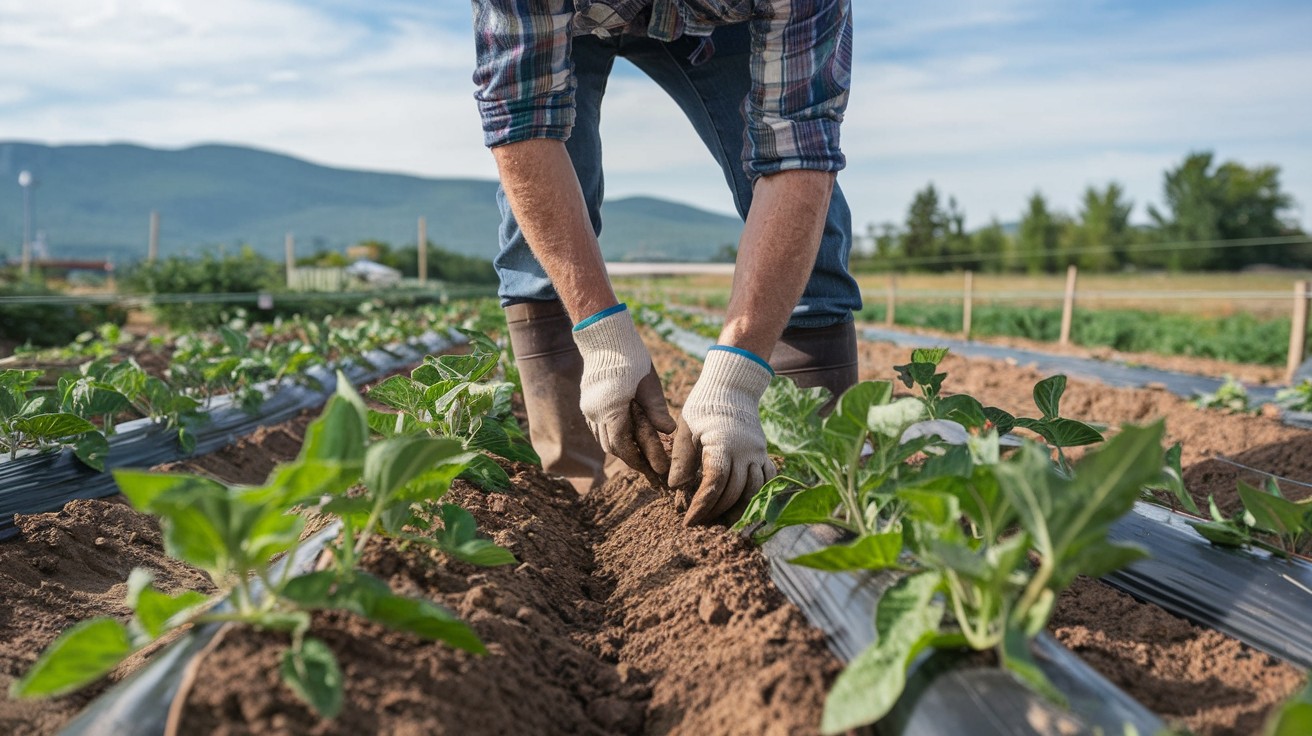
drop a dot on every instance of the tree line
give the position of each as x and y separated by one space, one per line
1219 217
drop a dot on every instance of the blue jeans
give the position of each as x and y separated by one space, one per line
711 95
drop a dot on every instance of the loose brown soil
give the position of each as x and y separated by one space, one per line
1189 675
619 620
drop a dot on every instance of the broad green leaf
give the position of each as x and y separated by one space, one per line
399 392
312 673
158 612
81 655
1103 559
52 427
768 502
1003 421
871 552
392 463
92 448
962 409
236 342
1172 480
89 398
933 356
1274 514
940 508
1017 658
1223 533
459 538
1064 432
338 435
848 419
789 415
891 420
484 472
813 505
907 621
370 597
1047 395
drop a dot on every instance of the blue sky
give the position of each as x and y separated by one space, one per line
989 101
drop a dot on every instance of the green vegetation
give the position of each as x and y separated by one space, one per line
378 487
953 522
48 324
1241 338
1205 204
1230 396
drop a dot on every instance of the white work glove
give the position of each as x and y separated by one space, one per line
720 429
621 395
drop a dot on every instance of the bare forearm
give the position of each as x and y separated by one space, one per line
544 194
775 256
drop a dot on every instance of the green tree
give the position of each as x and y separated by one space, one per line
923 240
1207 202
1103 230
957 242
1039 237
993 246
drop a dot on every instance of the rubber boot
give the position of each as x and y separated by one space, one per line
551 368
819 356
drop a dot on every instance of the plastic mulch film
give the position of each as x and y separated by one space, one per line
1111 374
139 705
946 694
39 482
1256 597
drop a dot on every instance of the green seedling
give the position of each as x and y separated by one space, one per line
453 396
980 541
235 532
35 419
1268 520
1230 397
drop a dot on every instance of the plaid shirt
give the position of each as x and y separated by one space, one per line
801 68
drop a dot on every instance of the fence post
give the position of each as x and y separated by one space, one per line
1297 331
289 248
891 300
423 250
152 249
967 295
1068 305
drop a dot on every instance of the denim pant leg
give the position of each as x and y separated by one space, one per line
711 95
521 276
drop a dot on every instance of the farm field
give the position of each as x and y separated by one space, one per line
615 617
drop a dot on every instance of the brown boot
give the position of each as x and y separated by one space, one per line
550 368
820 356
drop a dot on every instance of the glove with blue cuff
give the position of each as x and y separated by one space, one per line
621 395
720 430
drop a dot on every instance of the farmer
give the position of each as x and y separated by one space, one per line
765 84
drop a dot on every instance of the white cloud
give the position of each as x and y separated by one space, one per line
990 103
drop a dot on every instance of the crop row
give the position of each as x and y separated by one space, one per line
93 387
377 473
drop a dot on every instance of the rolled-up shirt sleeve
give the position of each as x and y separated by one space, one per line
801 73
524 75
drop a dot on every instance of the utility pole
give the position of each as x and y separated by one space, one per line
423 250
25 180
152 249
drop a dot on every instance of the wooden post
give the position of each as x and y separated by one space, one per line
891 297
423 250
1068 306
967 295
1297 331
152 250
289 248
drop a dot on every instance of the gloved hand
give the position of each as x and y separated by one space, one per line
721 429
621 395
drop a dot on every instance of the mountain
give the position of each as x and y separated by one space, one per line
94 201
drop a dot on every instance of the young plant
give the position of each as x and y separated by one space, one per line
1297 397
949 515
1230 397
1268 520
235 532
453 396
34 419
